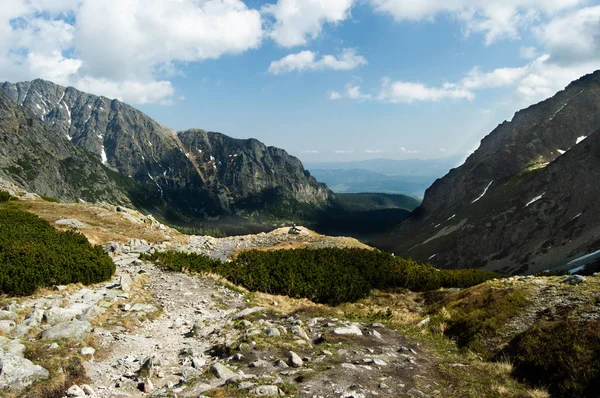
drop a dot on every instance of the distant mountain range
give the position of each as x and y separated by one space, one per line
525 201
409 176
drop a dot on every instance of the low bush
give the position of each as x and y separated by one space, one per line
33 254
330 276
562 355
5 197
474 315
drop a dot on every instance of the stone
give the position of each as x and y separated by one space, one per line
125 282
88 351
350 330
297 330
73 330
146 386
246 312
75 391
266 391
14 347
91 312
7 326
273 332
221 371
147 368
71 222
575 279
424 322
89 391
7 316
281 364
258 364
244 385
294 360
19 373
198 363
34 318
57 315
413 392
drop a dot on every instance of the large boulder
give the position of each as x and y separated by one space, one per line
57 315
73 330
18 373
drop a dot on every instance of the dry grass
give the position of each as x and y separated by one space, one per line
105 223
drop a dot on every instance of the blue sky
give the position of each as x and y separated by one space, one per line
331 80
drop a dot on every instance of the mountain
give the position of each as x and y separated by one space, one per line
192 173
407 176
36 158
360 181
526 200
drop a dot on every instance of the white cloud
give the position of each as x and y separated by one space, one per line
443 150
307 61
408 92
495 19
373 151
354 92
297 21
574 37
343 151
335 95
528 53
404 150
313 151
120 48
500 77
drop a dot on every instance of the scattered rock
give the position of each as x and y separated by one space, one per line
247 312
125 282
424 322
7 316
7 326
88 351
574 279
294 360
75 391
266 391
221 371
71 222
350 330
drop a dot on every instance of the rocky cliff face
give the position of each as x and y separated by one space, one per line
195 172
32 155
477 215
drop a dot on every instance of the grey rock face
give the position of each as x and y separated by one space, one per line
19 373
73 330
522 201
221 371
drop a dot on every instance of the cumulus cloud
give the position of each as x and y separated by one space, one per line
313 151
373 151
124 53
342 151
307 61
408 92
335 95
528 53
496 20
298 21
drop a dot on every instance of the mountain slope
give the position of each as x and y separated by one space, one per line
194 172
477 215
33 156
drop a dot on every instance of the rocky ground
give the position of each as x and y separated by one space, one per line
165 334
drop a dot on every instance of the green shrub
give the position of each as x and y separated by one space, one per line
477 314
563 355
33 254
49 199
5 197
331 275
